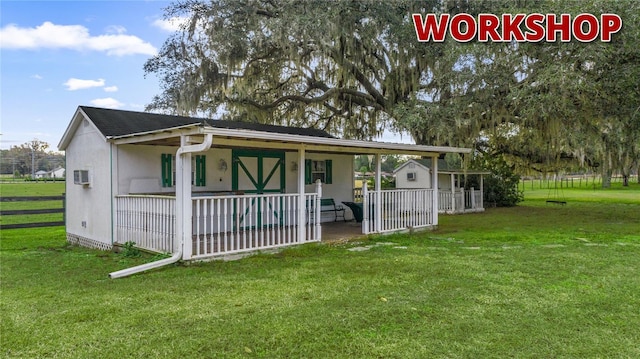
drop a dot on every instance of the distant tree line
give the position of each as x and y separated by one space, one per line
29 158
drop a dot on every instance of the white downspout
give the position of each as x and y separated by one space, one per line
180 229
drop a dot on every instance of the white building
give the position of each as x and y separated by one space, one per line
452 197
201 188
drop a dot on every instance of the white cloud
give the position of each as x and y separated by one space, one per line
171 25
107 102
74 37
37 77
111 89
116 29
78 84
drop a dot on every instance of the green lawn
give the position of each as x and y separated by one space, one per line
535 281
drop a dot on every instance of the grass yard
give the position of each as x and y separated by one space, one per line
535 281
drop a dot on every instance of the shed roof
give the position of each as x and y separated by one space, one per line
443 166
129 127
113 123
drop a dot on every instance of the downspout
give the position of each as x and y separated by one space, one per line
205 145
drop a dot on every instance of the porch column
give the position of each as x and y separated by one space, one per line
301 204
434 185
183 200
378 204
481 191
453 193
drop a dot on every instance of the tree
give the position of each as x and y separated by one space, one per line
341 66
29 157
355 67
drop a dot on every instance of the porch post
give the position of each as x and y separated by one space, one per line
365 208
378 188
481 191
453 193
434 185
473 198
317 224
301 204
183 200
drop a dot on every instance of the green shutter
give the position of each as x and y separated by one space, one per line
328 164
201 171
307 172
166 159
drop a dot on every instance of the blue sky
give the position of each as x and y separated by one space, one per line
56 55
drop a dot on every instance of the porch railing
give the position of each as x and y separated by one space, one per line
467 200
398 209
235 224
148 221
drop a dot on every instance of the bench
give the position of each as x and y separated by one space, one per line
329 205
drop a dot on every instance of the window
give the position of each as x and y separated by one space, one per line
411 176
318 170
198 170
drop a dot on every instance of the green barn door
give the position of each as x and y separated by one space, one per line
258 172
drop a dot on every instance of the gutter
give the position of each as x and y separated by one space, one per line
201 147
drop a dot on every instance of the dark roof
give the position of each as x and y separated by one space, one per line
114 123
442 164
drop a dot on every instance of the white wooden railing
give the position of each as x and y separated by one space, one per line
148 221
460 201
397 210
235 224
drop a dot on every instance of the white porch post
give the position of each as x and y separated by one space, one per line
301 204
482 191
434 185
365 208
473 198
453 193
183 200
378 204
317 224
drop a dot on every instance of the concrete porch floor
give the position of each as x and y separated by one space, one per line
337 231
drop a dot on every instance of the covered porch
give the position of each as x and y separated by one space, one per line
207 224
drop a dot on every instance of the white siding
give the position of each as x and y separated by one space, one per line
341 188
88 208
422 175
140 170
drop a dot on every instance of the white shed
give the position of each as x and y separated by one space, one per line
453 198
201 188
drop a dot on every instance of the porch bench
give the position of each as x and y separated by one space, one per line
329 205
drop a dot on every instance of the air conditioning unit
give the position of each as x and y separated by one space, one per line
411 176
81 177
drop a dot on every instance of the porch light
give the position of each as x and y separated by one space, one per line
294 166
222 165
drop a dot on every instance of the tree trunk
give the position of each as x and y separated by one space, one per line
625 180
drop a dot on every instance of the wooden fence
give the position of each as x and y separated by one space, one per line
23 212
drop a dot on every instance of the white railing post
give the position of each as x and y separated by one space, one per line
301 196
365 208
473 198
378 188
481 191
318 226
434 187
453 194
